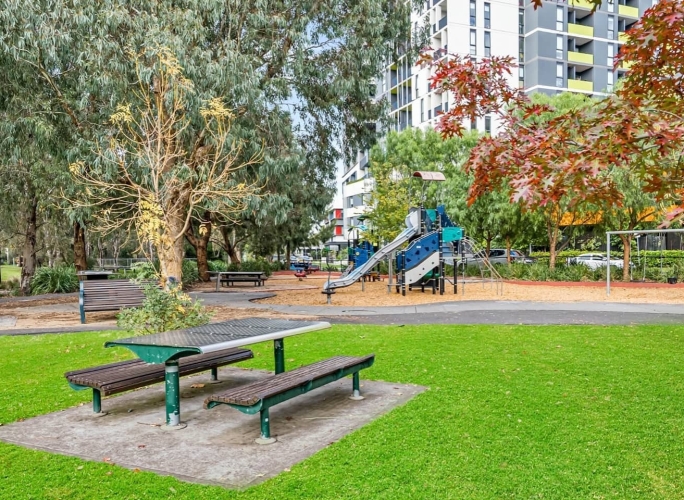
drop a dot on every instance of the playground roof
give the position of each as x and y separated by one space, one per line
429 176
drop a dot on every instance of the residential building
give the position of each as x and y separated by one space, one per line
336 218
562 46
567 47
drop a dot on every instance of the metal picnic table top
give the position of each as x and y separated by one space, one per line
168 347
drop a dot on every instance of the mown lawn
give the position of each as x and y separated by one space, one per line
8 273
512 412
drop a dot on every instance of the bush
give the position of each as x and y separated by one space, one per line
12 286
259 264
217 265
143 271
62 279
189 272
163 310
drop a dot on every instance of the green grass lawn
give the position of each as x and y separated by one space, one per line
511 412
9 273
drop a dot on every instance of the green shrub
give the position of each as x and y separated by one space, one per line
143 271
189 272
217 265
12 286
61 279
163 310
259 264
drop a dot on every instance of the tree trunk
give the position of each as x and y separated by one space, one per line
627 243
552 234
200 243
231 248
80 259
170 250
30 238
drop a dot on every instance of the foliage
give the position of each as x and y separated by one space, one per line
572 153
155 185
594 392
395 190
189 273
60 279
217 265
143 271
258 264
163 310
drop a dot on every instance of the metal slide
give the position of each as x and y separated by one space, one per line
412 229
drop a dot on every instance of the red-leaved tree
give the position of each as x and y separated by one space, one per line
570 155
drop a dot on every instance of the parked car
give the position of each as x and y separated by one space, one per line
498 256
595 261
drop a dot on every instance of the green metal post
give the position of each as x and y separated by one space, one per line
265 425
97 401
356 388
214 374
279 351
172 393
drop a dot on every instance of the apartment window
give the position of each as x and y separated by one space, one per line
521 49
417 89
559 75
559 46
610 60
611 5
422 110
473 42
488 124
521 22
559 18
488 44
611 28
473 124
473 13
611 81
521 73
488 15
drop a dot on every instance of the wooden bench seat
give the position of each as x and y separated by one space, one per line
261 395
108 295
132 374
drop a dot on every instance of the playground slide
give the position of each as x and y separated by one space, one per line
415 274
412 228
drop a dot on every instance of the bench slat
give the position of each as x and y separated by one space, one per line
251 394
131 374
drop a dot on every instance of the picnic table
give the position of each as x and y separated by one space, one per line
230 277
93 275
168 347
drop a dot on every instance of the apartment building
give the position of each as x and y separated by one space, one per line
562 46
567 47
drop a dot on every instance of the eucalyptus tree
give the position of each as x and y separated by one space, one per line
295 73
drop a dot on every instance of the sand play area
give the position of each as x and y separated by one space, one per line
61 312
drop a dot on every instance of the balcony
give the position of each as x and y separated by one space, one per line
578 29
581 58
622 37
626 65
584 4
627 11
581 85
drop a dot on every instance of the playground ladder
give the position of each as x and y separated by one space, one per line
473 247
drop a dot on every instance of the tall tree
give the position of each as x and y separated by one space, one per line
154 173
296 73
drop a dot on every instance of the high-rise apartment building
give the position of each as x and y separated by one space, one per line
567 47
562 46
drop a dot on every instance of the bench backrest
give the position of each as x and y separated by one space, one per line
112 294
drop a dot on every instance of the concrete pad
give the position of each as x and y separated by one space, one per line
217 446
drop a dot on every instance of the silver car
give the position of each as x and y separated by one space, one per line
595 261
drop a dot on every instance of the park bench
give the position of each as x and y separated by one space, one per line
132 374
261 395
108 295
231 277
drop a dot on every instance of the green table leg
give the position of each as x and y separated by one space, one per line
279 351
172 394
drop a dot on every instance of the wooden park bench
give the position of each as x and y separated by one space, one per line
132 374
261 395
232 277
108 295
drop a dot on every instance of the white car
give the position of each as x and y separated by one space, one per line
595 260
